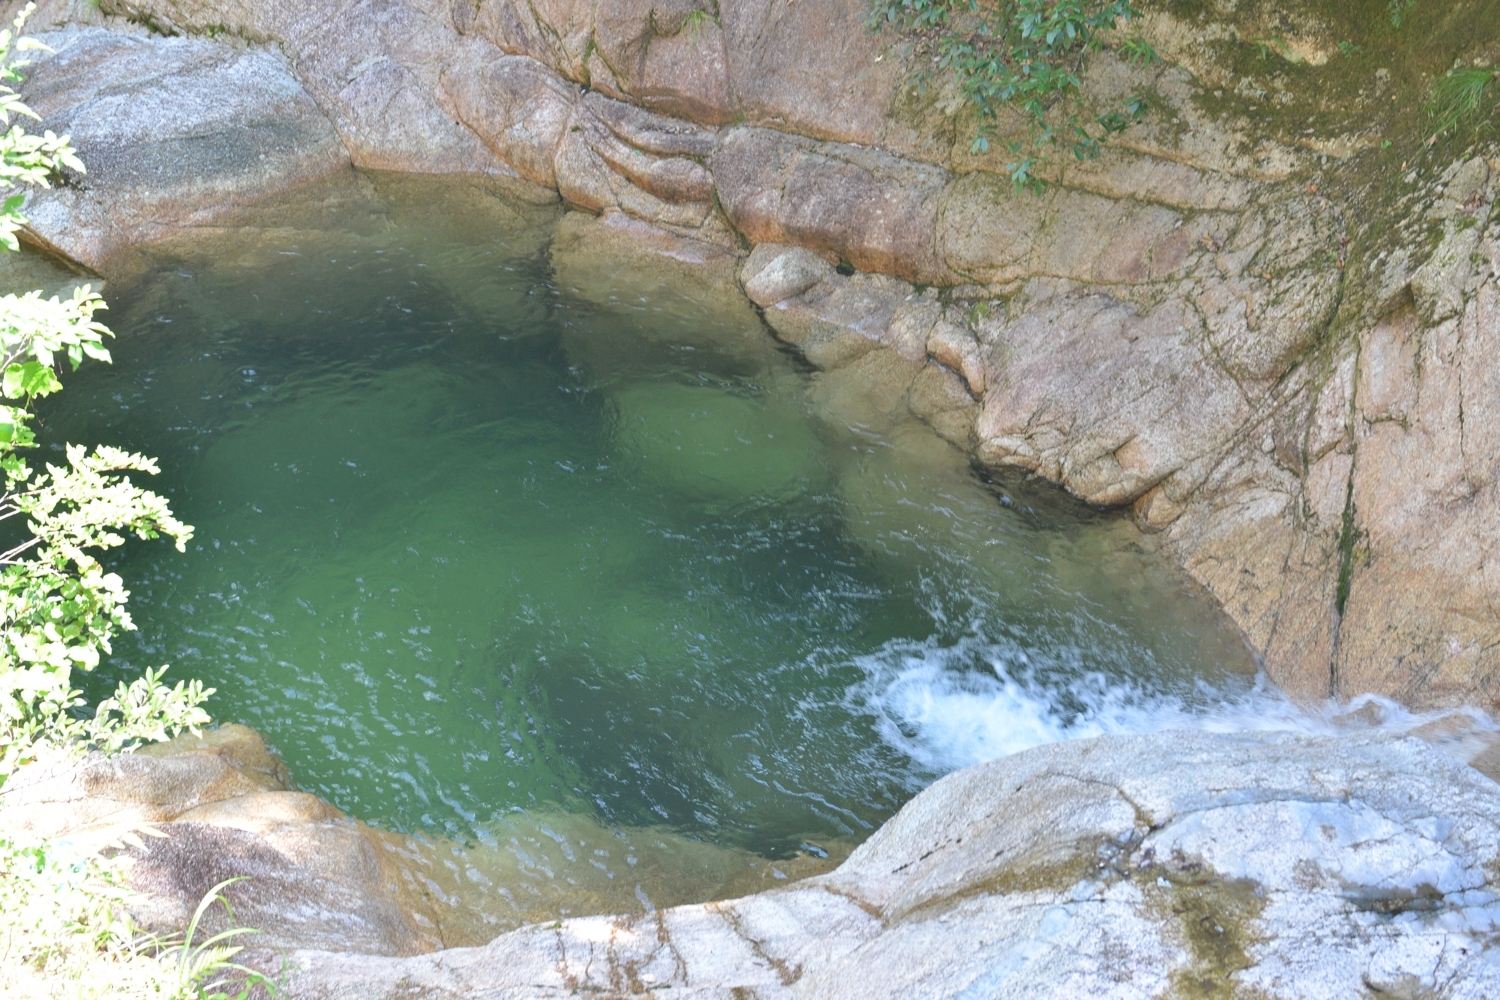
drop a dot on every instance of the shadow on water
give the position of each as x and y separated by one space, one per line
501 531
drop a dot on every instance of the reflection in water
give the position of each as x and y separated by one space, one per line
549 552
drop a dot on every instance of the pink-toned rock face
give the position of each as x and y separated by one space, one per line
810 68
1110 401
776 272
1420 620
520 110
687 74
990 235
872 209
373 69
601 164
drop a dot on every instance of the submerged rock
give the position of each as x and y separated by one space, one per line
1175 864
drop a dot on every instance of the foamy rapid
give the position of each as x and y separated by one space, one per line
950 707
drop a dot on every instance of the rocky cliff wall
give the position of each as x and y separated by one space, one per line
1245 322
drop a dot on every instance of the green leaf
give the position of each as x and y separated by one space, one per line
15 432
29 381
1023 54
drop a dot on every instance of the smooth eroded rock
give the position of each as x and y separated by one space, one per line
517 106
375 68
775 272
872 209
814 69
199 810
175 132
1268 865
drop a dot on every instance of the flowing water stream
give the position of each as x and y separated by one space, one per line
553 558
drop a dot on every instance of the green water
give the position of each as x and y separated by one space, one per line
487 522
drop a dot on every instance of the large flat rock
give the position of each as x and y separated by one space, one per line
221 806
175 132
1176 864
1249 865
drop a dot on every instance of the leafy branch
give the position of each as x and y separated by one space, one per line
59 609
64 920
27 160
1028 55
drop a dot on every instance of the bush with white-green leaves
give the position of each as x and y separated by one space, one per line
64 925
59 608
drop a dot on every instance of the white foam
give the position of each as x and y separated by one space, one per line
947 707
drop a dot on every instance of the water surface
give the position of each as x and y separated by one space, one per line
498 531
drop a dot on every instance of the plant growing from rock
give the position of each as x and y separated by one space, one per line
1029 55
1458 99
1397 10
63 934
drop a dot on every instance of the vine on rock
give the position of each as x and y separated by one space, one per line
1028 55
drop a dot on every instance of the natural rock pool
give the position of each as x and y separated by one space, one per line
552 554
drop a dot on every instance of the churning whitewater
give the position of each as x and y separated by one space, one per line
949 706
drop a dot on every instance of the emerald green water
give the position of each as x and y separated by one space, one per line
487 521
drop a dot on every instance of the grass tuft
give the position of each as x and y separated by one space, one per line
1458 98
66 934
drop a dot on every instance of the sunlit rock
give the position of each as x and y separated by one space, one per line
1272 865
176 132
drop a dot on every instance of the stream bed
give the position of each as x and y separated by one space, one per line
550 561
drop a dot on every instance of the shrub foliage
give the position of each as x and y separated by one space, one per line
1029 55
64 930
59 608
